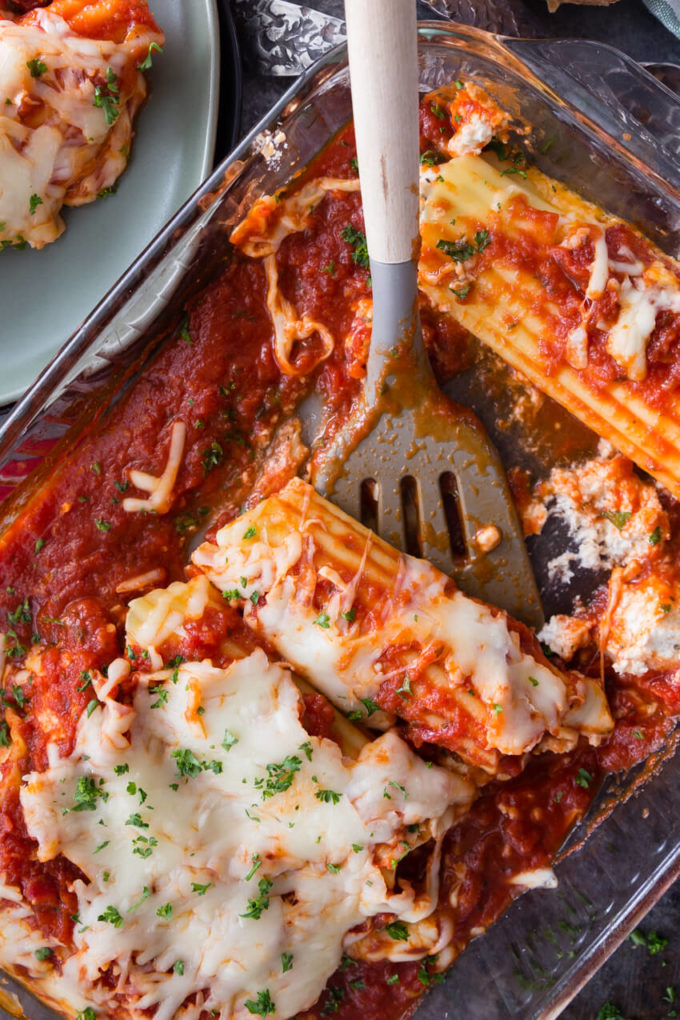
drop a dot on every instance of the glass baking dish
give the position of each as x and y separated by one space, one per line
613 141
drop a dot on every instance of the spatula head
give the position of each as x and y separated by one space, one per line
430 482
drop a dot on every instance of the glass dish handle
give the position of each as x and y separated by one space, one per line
617 93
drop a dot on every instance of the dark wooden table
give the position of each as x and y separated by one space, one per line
641 984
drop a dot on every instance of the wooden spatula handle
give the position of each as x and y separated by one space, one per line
383 60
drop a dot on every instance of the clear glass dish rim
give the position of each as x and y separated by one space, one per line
466 39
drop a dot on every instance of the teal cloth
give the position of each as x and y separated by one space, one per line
668 13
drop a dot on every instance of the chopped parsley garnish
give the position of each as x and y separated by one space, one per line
533 681
36 67
102 846
229 740
102 525
187 763
462 250
349 615
257 863
398 931
106 97
370 706
431 158
137 820
335 996
200 889
393 979
610 1012
583 778
357 848
328 796
178 967
43 953
497 709
262 1006
86 1014
250 532
146 63
405 688
120 770
231 593
165 911
424 975
656 943
112 916
655 536
39 544
161 696
87 793
212 456
619 518
461 292
437 110
286 962
34 201
91 706
280 776
143 846
323 620
333 868
307 748
255 597
5 738
357 240
146 892
85 681
260 903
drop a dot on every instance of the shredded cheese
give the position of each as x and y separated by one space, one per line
161 487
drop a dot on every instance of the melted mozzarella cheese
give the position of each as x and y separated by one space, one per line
224 839
524 698
629 336
71 153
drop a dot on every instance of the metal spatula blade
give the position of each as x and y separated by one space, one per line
423 465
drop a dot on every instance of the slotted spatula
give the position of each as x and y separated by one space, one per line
423 465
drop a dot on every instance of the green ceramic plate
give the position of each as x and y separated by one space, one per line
45 295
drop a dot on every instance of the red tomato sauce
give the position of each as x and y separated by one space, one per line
74 544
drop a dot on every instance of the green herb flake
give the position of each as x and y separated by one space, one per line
165 911
39 545
112 916
393 979
86 1014
397 930
405 690
92 705
328 796
43 953
286 962
178 967
370 706
333 868
200 889
583 778
619 518
357 240
257 863
262 1006
228 740
106 97
250 532
533 681
102 525
260 903
36 67
655 536
34 201
323 621
350 615
146 63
